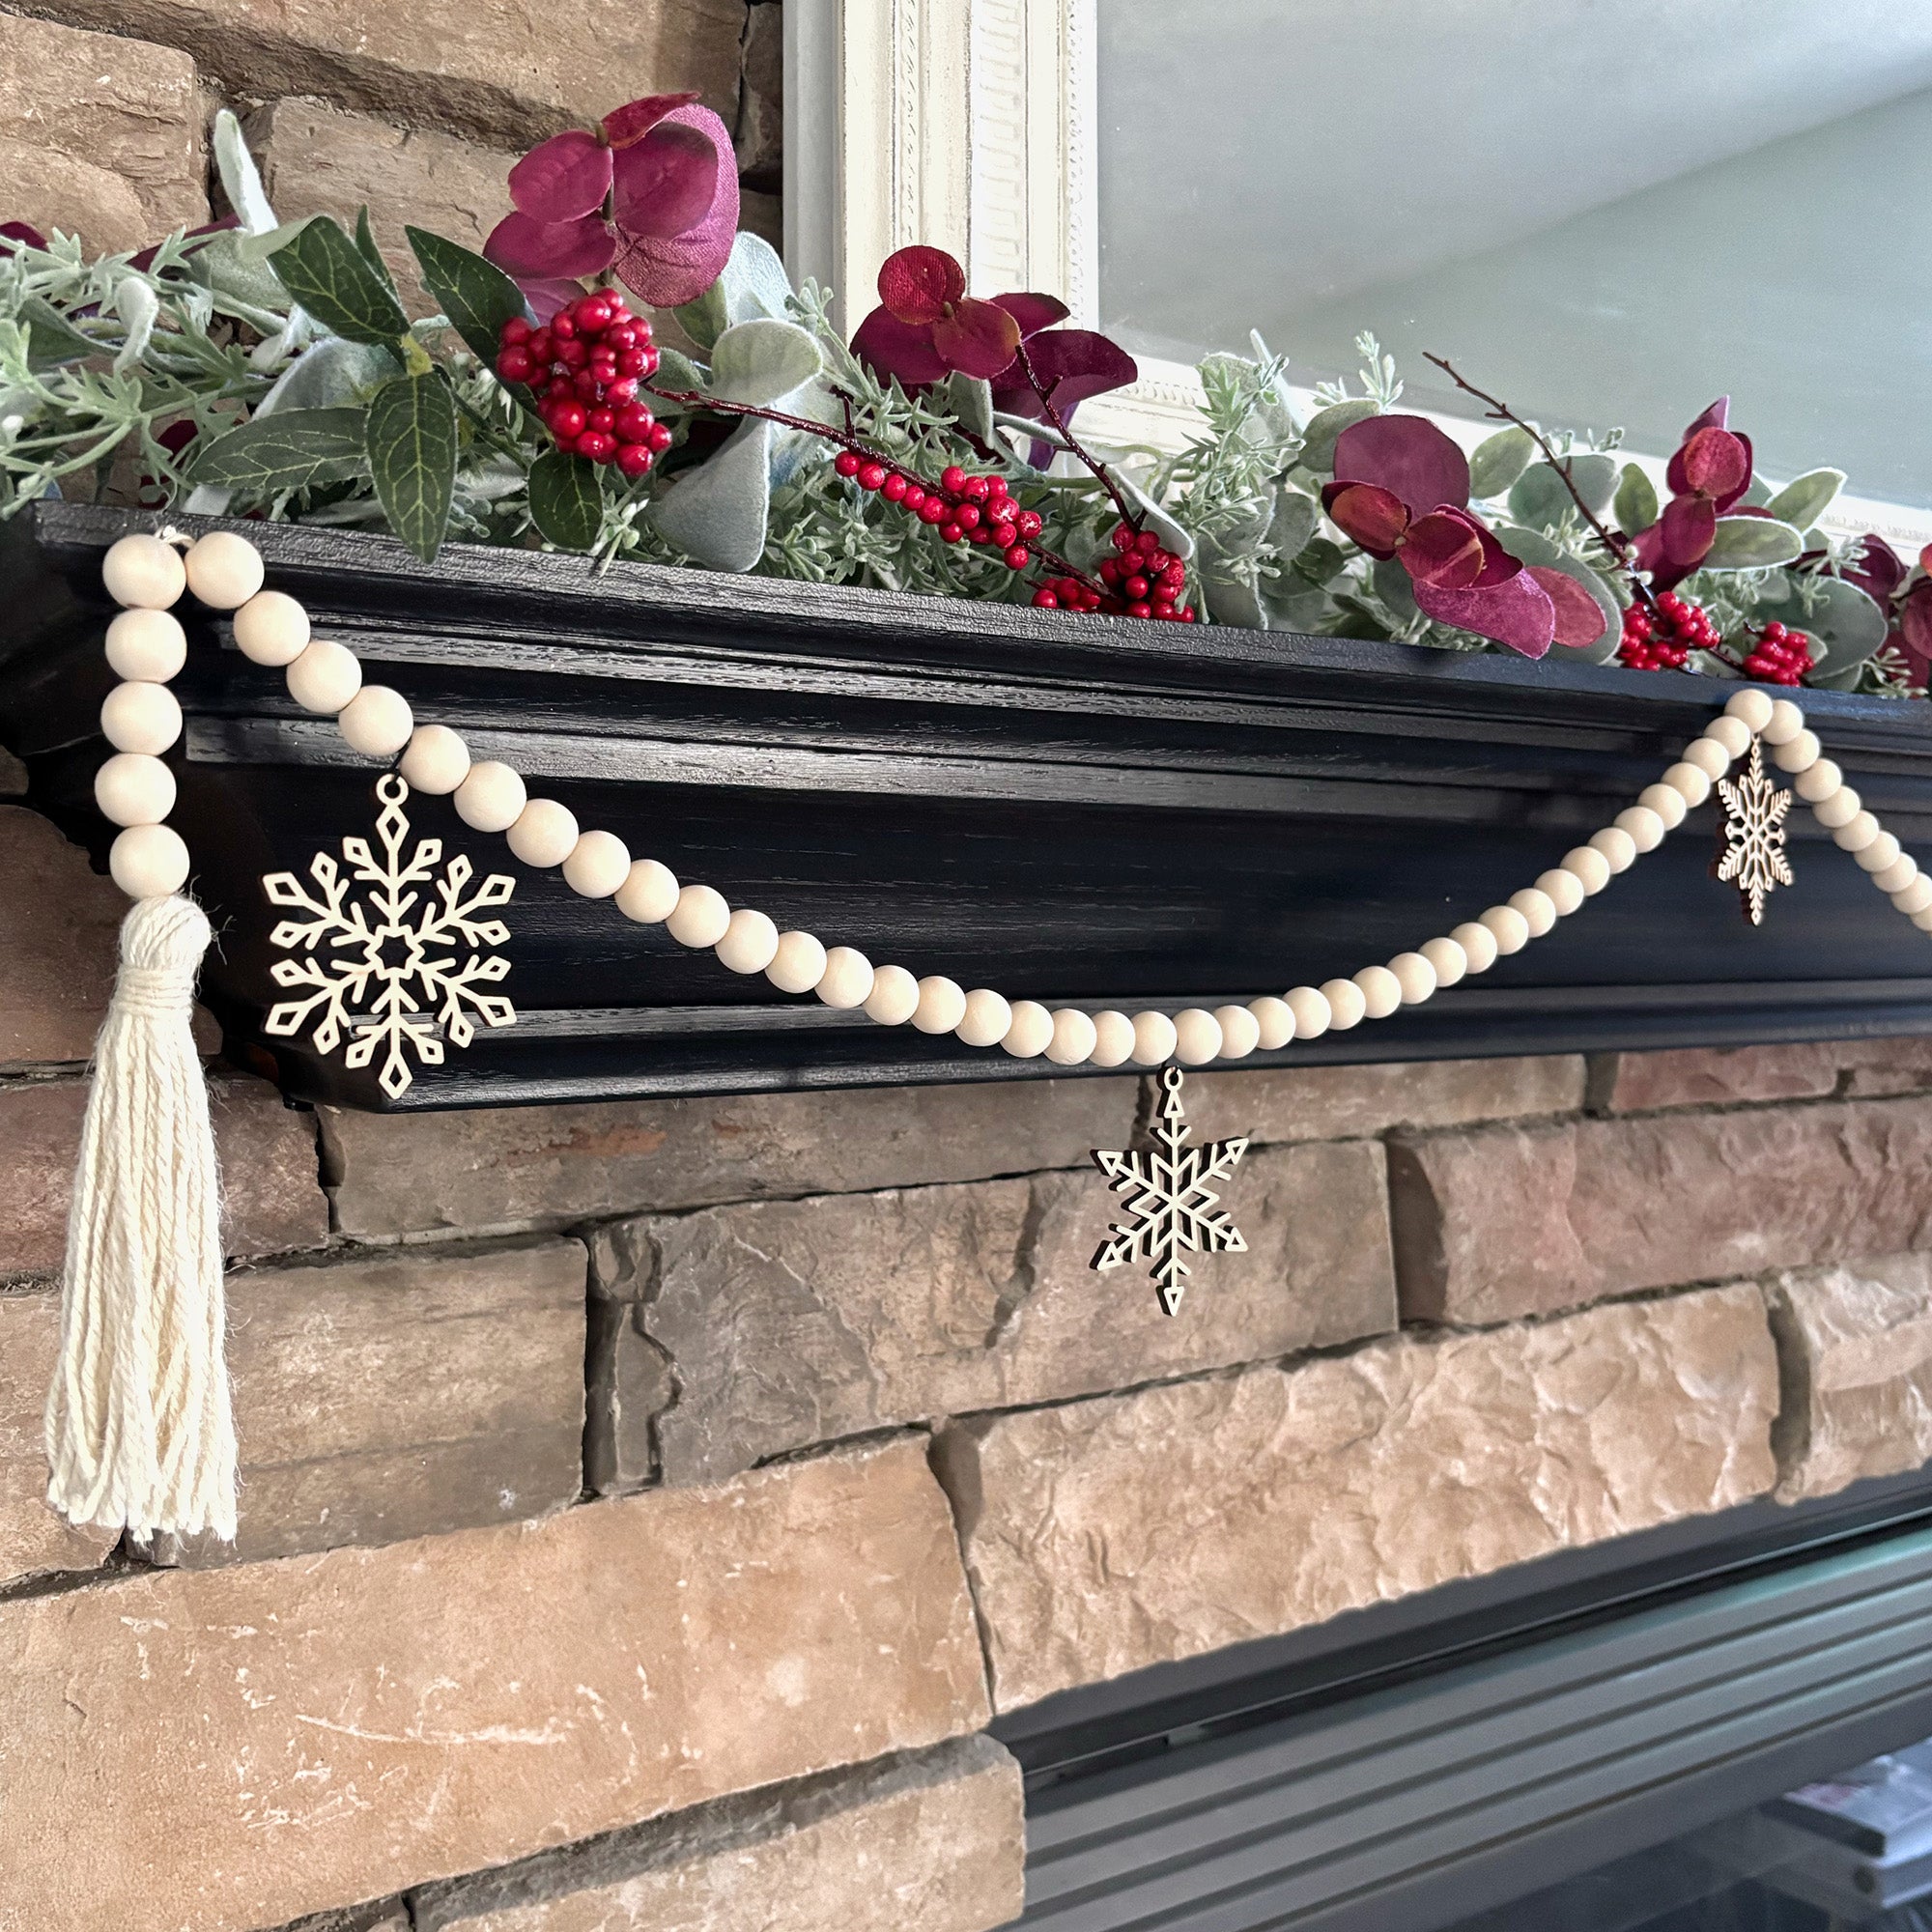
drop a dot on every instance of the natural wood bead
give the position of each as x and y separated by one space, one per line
1196 1036
1896 876
1562 888
1841 809
1690 783
1923 920
436 760
1617 847
649 892
893 998
376 722
325 677
847 979
544 834
1732 733
1818 782
272 628
1274 1022
1667 802
1857 834
1538 910
1507 927
223 570
1750 706
1645 827
1478 944
599 863
1797 753
1449 960
1345 1003
797 966
1414 977
1313 1015
1915 896
1153 1040
1113 1039
1882 851
1589 868
148 862
699 918
1073 1037
141 718
1028 1030
1380 991
146 645
980 1017
751 942
1708 756
1786 723
144 574
132 788
1241 1031
491 797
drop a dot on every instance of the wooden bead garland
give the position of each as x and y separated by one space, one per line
146 648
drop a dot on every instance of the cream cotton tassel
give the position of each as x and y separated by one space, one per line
140 1432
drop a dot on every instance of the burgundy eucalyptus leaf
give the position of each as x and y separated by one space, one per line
1875 568
630 122
1915 621
1408 455
21 231
1714 464
547 296
665 184
1686 530
1517 613
1072 364
891 348
1444 550
1367 514
563 178
545 250
1031 311
977 339
147 258
919 284
1579 618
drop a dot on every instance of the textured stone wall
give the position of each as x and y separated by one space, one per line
646 1508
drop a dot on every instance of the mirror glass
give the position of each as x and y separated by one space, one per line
1605 212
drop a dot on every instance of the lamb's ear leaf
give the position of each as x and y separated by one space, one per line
566 499
413 457
718 513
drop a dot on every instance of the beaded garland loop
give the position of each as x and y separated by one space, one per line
146 646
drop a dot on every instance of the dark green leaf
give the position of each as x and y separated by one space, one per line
413 457
365 247
325 272
51 339
566 499
286 449
1636 504
475 295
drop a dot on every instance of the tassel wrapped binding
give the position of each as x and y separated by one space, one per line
140 1432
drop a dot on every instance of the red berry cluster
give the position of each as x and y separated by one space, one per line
1663 639
963 509
586 364
1142 580
1779 656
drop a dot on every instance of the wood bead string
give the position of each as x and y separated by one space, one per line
146 646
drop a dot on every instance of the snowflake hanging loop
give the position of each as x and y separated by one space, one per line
391 967
1170 1209
1754 855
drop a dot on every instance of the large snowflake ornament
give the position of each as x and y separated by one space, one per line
1170 1209
391 967
1753 856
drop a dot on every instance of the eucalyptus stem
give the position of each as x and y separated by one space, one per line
1128 515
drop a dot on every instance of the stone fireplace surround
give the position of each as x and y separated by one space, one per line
658 1513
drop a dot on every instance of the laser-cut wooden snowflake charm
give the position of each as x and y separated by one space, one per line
1754 857
1170 1209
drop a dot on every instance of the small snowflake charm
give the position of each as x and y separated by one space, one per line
1170 1209
402 969
1753 856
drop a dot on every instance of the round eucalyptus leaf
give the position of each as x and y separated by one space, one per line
1539 496
1846 624
1757 494
1392 586
1751 543
1806 499
1534 548
1318 441
1497 460
1636 501
1295 516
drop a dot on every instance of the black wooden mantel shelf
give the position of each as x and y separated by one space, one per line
1071 809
